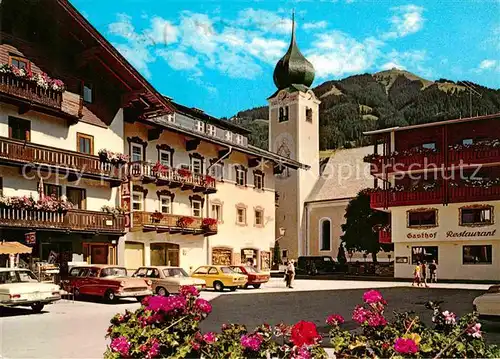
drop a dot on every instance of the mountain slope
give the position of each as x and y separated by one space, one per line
388 98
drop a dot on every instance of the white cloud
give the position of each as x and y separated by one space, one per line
407 19
197 32
392 65
315 25
178 59
138 56
162 31
488 65
238 66
265 20
336 53
413 60
269 50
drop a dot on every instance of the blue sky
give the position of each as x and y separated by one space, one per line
220 55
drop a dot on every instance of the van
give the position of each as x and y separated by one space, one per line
313 265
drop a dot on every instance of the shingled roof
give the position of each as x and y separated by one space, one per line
343 175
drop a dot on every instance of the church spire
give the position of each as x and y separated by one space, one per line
293 68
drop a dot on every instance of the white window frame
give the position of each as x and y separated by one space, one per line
244 222
216 214
164 152
194 209
198 161
239 139
136 145
167 206
242 172
141 201
171 117
211 130
229 136
259 176
261 217
200 126
321 234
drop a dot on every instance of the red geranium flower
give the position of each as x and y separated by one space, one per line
304 333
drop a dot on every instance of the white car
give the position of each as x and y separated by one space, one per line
488 304
21 288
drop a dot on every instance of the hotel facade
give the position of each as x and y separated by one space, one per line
441 184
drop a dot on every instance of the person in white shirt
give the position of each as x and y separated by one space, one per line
290 273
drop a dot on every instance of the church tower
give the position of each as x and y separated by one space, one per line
294 133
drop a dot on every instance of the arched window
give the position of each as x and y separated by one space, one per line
325 234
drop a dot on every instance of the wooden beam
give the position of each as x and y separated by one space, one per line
192 145
113 72
129 96
87 55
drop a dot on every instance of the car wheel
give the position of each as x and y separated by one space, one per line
218 286
256 286
37 307
232 289
245 286
162 291
109 296
76 292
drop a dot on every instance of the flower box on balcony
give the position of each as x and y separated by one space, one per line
209 224
160 169
115 158
184 222
183 172
156 217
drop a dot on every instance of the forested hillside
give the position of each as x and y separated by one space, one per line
385 99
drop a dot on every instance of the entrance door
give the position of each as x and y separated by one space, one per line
164 254
134 255
99 254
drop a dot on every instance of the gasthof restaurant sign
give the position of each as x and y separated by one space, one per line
452 234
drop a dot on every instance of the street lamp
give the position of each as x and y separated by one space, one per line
282 234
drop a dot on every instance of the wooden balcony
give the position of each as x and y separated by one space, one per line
474 156
384 236
27 95
171 223
460 194
405 163
173 178
63 162
389 198
73 220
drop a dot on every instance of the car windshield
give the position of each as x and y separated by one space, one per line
494 289
17 277
227 270
175 272
250 270
113 272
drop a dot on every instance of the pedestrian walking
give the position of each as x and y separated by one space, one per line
424 274
433 271
290 273
417 274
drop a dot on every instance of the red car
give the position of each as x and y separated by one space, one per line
107 281
255 278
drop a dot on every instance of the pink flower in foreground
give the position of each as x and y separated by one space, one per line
373 296
121 345
475 331
360 314
203 306
210 338
188 291
376 320
154 350
251 342
335 319
450 318
405 346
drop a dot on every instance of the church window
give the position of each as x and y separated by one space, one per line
325 234
309 114
283 114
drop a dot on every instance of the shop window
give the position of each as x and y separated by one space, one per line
476 216
420 254
85 143
137 201
283 114
422 218
19 62
19 129
87 93
325 227
77 196
259 218
52 190
481 254
196 208
165 204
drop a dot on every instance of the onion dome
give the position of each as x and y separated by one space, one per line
293 68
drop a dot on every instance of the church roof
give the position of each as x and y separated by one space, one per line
293 68
343 175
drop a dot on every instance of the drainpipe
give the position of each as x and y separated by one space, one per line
207 211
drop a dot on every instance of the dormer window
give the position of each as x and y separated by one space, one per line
200 126
171 117
211 130
229 136
19 62
283 114
87 93
239 139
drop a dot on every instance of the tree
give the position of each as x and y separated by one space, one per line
359 234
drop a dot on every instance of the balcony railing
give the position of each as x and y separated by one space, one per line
73 220
66 161
404 163
468 156
172 177
473 194
28 92
149 221
384 236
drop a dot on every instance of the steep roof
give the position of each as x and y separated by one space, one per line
343 175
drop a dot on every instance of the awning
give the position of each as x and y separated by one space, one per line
13 248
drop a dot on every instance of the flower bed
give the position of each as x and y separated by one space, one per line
45 204
116 158
169 327
41 80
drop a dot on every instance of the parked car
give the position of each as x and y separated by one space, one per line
488 304
107 281
254 277
313 265
168 280
220 277
21 288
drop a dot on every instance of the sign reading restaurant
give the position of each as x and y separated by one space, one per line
452 234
